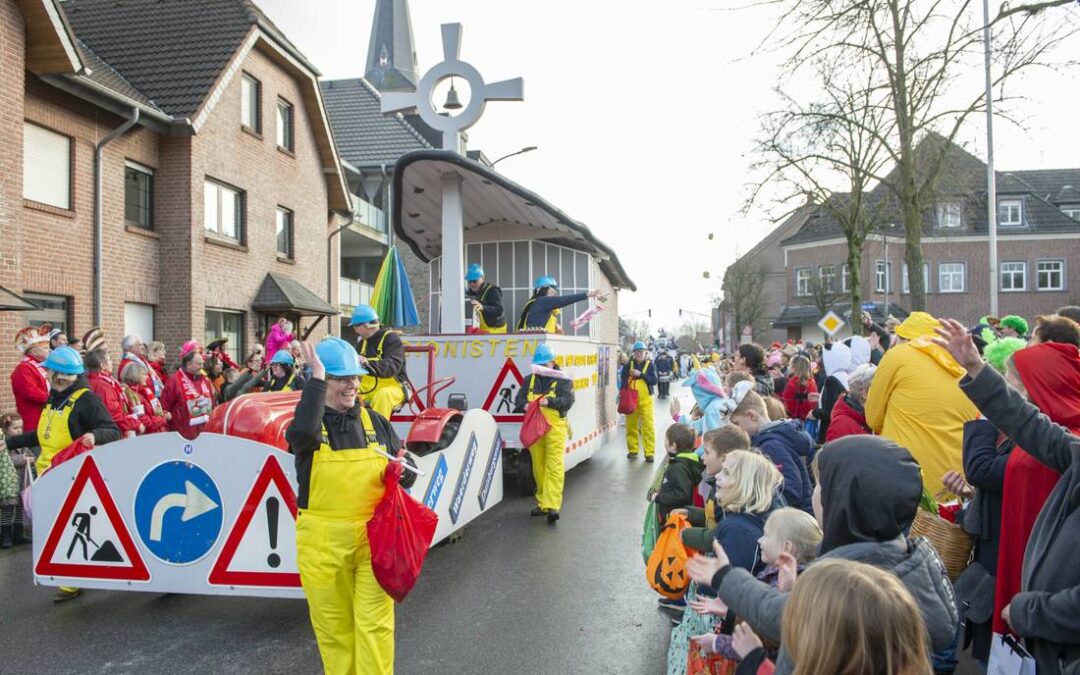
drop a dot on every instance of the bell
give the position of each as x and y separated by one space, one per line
452 100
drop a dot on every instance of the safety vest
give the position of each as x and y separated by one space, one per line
550 414
369 383
552 324
483 323
54 430
347 482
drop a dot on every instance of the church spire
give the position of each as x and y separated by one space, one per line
391 60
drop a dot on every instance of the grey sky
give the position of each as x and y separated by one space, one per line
644 113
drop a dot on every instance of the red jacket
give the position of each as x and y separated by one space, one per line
152 415
157 377
175 400
797 398
845 421
111 394
159 368
31 391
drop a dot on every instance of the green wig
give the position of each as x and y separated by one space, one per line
999 351
1017 323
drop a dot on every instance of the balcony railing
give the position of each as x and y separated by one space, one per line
368 215
352 292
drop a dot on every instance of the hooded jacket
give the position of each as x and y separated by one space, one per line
276 339
914 401
1047 610
681 479
787 445
836 362
870 490
848 419
709 394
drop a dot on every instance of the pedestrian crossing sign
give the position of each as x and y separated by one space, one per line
831 323
89 538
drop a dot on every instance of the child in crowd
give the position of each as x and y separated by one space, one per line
12 481
683 471
716 445
800 395
782 441
789 542
775 408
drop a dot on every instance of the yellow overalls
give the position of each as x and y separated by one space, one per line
548 455
352 616
643 416
552 325
383 394
53 432
483 324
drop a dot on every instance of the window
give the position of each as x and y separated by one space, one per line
139 320
223 210
226 323
285 232
1051 275
951 277
1072 212
881 277
1010 213
46 166
250 103
284 124
802 281
827 277
54 311
845 279
905 286
1014 276
948 215
138 195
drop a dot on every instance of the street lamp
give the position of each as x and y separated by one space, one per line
888 277
519 152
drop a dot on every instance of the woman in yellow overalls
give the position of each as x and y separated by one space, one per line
486 301
72 413
556 396
382 354
340 477
640 424
543 309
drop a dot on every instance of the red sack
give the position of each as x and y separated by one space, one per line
534 425
70 452
399 533
628 399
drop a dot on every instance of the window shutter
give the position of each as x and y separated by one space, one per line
46 166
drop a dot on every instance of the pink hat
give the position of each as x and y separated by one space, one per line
773 359
189 346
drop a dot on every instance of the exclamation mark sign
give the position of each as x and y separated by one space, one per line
272 504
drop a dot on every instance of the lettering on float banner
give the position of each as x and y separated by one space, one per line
479 349
489 474
463 479
438 479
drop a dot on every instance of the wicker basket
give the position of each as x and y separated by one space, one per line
952 543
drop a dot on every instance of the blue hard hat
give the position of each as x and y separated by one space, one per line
475 273
638 345
283 357
363 314
544 282
544 354
65 360
339 358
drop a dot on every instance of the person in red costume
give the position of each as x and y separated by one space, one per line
155 358
1049 375
188 396
98 366
144 404
135 350
29 383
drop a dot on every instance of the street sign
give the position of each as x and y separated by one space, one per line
869 306
831 323
178 512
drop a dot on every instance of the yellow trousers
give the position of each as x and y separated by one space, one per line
643 418
548 462
386 396
352 616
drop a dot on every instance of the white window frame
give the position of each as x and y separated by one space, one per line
1008 205
1072 212
949 287
290 219
803 275
234 348
286 136
827 272
214 191
880 268
147 171
139 320
945 215
1012 268
1040 272
251 115
47 166
845 278
905 282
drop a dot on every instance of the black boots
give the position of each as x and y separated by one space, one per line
7 536
20 534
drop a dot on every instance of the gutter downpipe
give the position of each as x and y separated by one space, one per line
334 329
99 153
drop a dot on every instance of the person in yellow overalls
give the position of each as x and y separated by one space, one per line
340 478
382 354
73 412
556 396
640 428
486 301
284 375
543 309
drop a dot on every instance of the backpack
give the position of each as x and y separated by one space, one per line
666 569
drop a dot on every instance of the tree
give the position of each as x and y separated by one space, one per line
744 297
632 330
825 292
688 334
913 54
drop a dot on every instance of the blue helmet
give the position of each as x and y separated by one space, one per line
545 282
363 314
339 358
638 345
544 354
65 360
475 273
283 357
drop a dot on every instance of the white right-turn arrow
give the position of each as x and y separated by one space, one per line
195 503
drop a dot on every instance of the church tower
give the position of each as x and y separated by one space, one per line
391 60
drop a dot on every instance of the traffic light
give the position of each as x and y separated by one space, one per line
650 313
680 312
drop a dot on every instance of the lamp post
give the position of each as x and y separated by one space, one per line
888 277
991 183
514 154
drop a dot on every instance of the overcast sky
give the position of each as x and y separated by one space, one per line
644 113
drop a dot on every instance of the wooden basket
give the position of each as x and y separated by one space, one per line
951 542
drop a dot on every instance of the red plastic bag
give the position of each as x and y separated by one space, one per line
628 400
400 533
70 452
534 425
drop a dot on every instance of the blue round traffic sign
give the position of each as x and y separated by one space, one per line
178 512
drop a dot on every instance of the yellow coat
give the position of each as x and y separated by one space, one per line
915 400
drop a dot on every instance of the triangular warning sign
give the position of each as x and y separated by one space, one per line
260 549
89 538
500 400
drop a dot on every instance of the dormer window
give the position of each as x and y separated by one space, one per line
949 215
1011 213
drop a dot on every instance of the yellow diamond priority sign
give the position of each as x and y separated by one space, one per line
831 323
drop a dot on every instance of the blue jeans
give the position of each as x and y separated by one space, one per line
944 659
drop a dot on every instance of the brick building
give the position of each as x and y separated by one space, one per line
216 203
